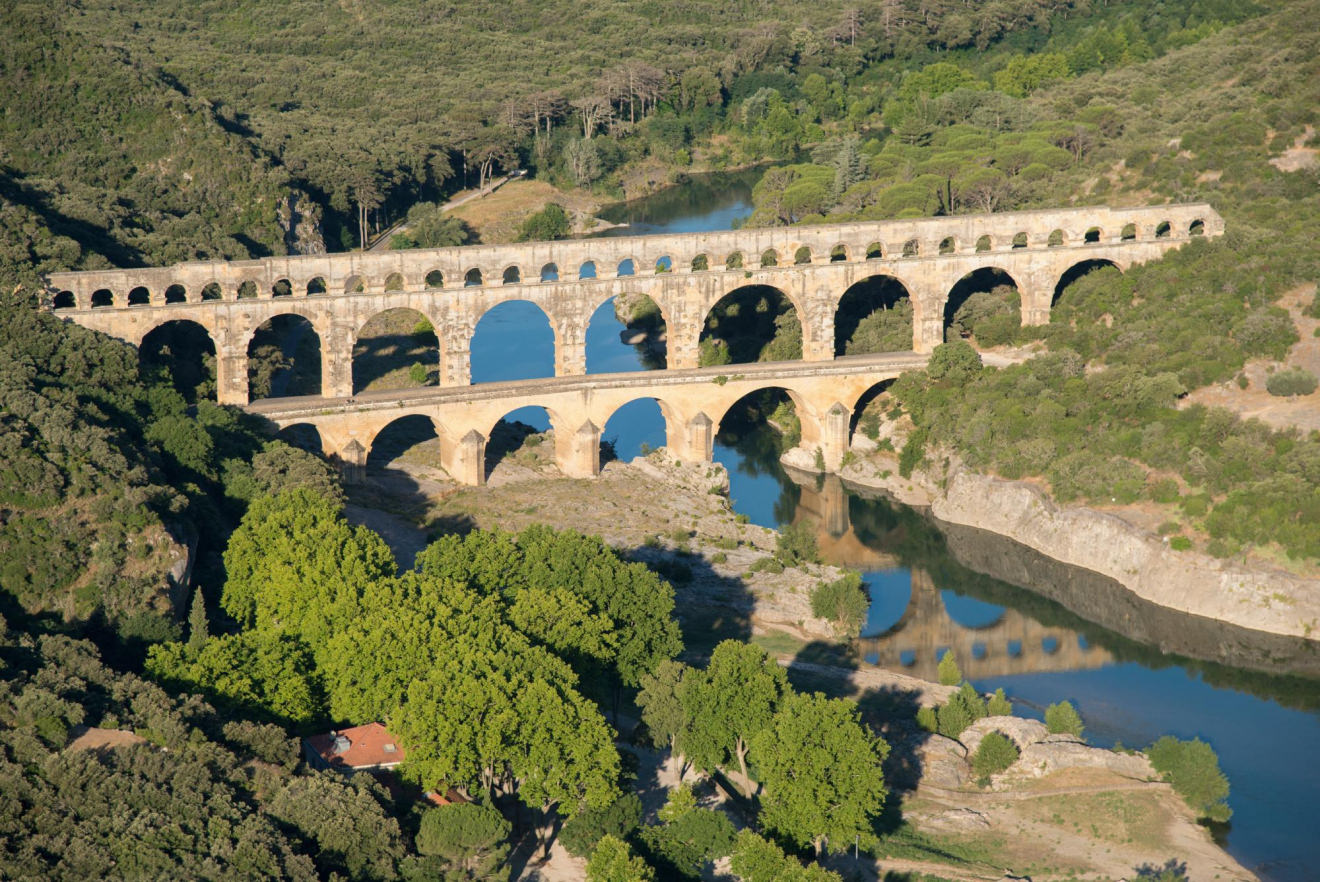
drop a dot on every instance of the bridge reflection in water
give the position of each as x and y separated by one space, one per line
1012 643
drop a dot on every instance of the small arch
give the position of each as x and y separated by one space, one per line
409 439
1019 240
512 276
303 436
513 340
1056 238
984 304
802 256
1196 228
749 324
1049 644
472 278
769 414
1076 271
525 435
911 248
212 291
627 267
1014 648
184 351
633 429
948 245
1092 236
354 285
284 358
700 263
139 296
395 349
1163 230
394 282
587 270
247 290
869 411
1128 233
102 297
839 253
315 285
983 243
664 264
874 251
64 300
734 260
769 257
873 315
626 333
550 273
176 294
281 288
434 279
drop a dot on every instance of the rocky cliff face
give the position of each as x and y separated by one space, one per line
300 219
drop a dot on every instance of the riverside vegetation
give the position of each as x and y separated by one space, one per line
136 134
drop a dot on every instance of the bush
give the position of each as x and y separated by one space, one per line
1193 769
1063 719
964 708
949 672
796 544
999 705
914 453
1294 381
550 222
583 831
995 754
954 363
471 839
843 602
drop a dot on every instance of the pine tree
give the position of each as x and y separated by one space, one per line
199 630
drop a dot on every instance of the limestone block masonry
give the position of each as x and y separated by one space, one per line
686 275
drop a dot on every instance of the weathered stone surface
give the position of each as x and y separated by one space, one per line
1040 759
943 763
1020 731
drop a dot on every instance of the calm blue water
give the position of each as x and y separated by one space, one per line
1268 750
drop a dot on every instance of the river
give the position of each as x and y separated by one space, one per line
1261 715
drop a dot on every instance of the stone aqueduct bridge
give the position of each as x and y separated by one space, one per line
813 266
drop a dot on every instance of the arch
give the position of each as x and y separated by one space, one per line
247 290
1076 271
354 285
752 432
769 257
513 340
394 282
472 278
1091 236
839 253
64 300
139 296
626 267
911 248
284 358
664 264
185 351
869 409
1020 240
1196 228
587 270
969 612
734 260
1128 233
626 333
304 436
316 285
700 263
751 323
550 273
802 256
411 438
281 288
634 428
874 251
1055 239
212 291
176 294
984 243
948 245
434 279
985 304
1163 230
874 315
526 436
395 349
1049 644
512 276
102 297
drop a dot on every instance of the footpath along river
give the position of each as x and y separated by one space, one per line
1264 724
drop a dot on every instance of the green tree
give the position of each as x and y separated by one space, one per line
469 840
949 672
551 222
954 363
999 705
822 771
614 861
843 602
620 819
345 819
963 708
1192 767
755 859
660 700
199 630
994 755
1063 719
728 703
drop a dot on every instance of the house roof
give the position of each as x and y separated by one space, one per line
361 747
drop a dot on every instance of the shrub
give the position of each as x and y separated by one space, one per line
949 672
843 602
1063 719
550 222
418 374
1193 769
796 544
954 363
928 719
583 831
614 861
964 708
999 705
995 754
1180 543
1290 382
914 453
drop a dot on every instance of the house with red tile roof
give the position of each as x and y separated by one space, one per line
359 749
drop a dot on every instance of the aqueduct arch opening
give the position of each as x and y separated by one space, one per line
396 349
284 358
1077 271
985 304
749 324
635 428
627 332
185 351
513 340
873 315
409 439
